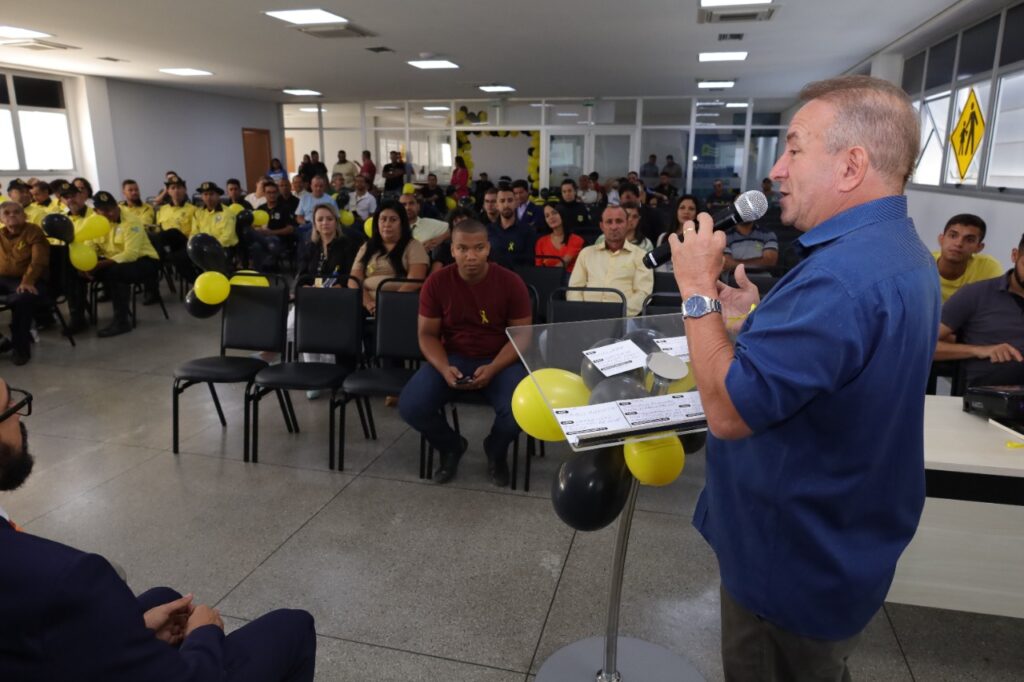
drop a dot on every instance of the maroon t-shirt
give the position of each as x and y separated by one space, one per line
474 317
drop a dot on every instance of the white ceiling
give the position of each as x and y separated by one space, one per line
545 48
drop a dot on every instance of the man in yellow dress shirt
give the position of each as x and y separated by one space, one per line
133 204
212 218
615 264
959 258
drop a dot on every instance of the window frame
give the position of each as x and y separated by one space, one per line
16 109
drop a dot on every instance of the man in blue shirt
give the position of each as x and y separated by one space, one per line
815 463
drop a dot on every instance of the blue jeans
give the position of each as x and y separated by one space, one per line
424 397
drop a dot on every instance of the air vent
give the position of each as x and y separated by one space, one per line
727 37
379 49
335 31
728 16
37 45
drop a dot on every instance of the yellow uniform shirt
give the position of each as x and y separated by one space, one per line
77 220
181 218
219 223
126 242
144 213
980 267
624 270
34 212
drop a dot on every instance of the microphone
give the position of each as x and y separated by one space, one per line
747 208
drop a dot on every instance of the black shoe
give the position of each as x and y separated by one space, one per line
498 471
21 357
5 344
118 326
450 463
77 325
151 299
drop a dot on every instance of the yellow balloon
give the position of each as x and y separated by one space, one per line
82 256
655 462
235 209
561 388
247 280
368 227
482 117
347 218
408 188
212 288
93 227
260 218
450 203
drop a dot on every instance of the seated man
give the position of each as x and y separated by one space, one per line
426 231
126 257
42 204
651 225
308 203
18 190
66 615
665 191
24 257
272 239
616 263
362 202
176 219
512 241
527 212
587 194
434 195
464 310
748 244
236 195
211 218
982 324
339 192
959 257
284 187
133 204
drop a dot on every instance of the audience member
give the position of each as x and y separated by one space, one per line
612 194
982 325
464 311
304 216
751 245
78 211
316 166
442 253
576 210
330 253
339 192
480 187
511 240
719 197
769 193
427 231
460 178
394 174
176 220
490 206
235 195
361 202
368 168
650 225
649 169
74 201
588 195
133 204
633 235
560 243
614 264
42 204
348 169
665 191
434 195
686 208
276 172
68 615
84 186
299 185
212 219
527 212
673 170
959 258
24 259
391 252
269 241
18 190
285 189
255 198
161 197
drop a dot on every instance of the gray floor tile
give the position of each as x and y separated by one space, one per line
878 656
435 570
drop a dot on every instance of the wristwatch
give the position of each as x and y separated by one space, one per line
699 306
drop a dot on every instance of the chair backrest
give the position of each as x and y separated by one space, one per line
60 271
665 281
254 318
562 310
662 303
329 321
397 321
544 280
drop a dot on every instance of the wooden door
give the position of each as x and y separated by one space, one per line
256 150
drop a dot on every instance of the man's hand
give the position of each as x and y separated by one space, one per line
697 259
26 289
168 621
1001 352
203 615
737 302
483 375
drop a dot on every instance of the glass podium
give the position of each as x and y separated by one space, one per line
610 383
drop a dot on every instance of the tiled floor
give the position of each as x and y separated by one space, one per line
407 580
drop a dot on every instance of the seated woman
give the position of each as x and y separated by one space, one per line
686 208
561 243
329 253
391 252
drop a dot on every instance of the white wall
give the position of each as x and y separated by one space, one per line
499 156
931 210
198 135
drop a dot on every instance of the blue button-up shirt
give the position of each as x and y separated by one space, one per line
809 515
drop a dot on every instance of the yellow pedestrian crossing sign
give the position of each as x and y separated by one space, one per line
965 139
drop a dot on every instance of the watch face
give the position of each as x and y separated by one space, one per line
695 306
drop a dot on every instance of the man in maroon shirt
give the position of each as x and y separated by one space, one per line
464 310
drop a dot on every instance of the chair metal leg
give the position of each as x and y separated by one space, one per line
342 409
531 446
216 402
369 418
291 410
430 462
284 411
515 462
255 422
330 437
63 324
175 392
362 418
542 453
455 419
423 457
246 425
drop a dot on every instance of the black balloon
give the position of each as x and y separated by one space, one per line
592 376
243 220
692 442
621 387
590 489
59 226
206 252
645 339
197 308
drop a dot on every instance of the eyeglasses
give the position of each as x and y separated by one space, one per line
20 403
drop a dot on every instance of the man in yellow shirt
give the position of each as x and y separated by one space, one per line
616 263
134 206
959 258
42 204
126 257
18 190
211 218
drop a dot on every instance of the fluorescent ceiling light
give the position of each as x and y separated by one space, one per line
705 4
307 17
433 64
388 107
300 92
712 103
479 123
15 33
311 110
567 113
540 104
707 114
708 85
497 88
736 105
722 56
186 72
436 109
435 116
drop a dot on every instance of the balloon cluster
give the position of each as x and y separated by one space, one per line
590 490
212 288
58 227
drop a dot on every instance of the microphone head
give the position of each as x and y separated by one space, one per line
751 206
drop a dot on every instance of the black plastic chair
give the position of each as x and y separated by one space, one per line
51 298
326 321
563 310
253 319
665 282
544 280
663 303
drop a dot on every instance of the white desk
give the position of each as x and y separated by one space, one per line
967 556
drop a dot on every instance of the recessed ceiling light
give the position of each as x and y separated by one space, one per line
435 109
301 92
307 17
311 110
186 72
497 88
541 104
711 103
15 33
567 113
736 105
433 64
722 56
707 114
715 85
704 4
435 116
388 107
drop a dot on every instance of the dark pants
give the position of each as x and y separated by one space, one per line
22 307
424 397
754 649
279 646
118 279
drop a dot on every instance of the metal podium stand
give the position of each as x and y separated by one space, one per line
613 658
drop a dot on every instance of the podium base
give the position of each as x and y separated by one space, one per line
638 661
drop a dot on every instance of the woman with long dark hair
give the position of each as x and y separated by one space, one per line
277 171
391 252
561 243
460 178
685 208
